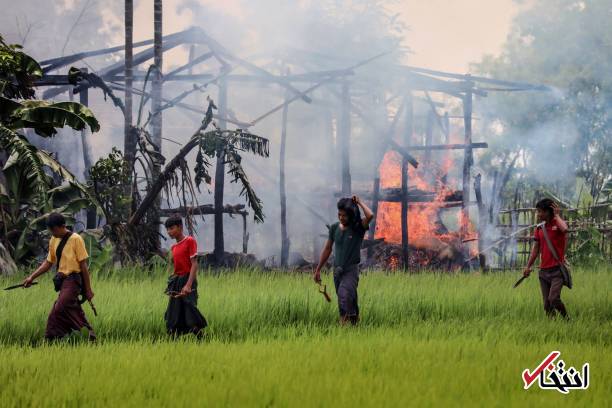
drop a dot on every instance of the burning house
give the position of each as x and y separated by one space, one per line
424 185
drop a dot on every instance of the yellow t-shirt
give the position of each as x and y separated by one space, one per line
74 252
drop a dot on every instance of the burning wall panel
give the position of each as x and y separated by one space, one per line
431 242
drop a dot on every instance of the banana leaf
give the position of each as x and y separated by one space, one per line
30 66
44 117
55 166
8 108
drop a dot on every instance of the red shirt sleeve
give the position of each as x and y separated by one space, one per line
536 234
192 247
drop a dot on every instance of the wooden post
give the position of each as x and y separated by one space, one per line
156 85
514 216
245 235
344 136
404 217
156 100
428 138
467 162
129 138
372 229
191 58
429 128
220 177
285 243
482 222
92 220
446 122
331 158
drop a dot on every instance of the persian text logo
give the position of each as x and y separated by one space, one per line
557 376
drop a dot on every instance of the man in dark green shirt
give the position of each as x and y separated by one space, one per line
346 237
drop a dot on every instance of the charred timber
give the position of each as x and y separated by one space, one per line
479 145
394 195
56 80
206 209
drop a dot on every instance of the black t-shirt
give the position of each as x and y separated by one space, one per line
347 243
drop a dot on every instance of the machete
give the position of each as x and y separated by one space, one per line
518 282
20 286
95 312
323 291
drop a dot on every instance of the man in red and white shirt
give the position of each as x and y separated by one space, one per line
551 277
182 315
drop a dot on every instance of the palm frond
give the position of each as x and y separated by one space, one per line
249 142
201 169
236 170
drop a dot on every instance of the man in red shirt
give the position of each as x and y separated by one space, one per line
551 277
182 315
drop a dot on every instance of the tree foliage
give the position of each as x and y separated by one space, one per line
553 137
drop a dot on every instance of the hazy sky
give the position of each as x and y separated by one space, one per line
444 34
449 34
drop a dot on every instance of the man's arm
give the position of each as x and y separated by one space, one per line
44 267
368 215
532 258
86 279
193 274
325 253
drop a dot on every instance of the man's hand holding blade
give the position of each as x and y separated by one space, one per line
317 276
27 282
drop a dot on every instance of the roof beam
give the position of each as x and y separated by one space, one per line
59 62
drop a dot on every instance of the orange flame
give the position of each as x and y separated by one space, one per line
425 229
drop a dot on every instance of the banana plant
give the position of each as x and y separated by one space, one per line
32 182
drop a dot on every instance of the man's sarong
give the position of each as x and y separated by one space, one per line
346 280
67 314
182 315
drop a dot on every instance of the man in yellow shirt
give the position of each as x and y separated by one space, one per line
66 251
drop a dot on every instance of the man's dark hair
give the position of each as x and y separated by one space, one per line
174 220
546 204
351 209
55 220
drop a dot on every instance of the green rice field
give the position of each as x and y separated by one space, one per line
426 339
